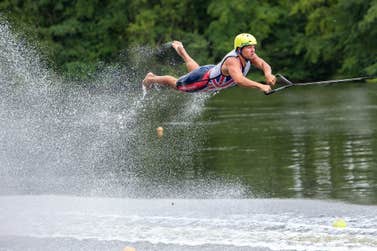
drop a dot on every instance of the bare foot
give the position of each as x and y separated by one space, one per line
178 46
148 80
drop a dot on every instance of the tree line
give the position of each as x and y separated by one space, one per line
303 38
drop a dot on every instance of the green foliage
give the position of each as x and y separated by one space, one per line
303 39
229 19
339 34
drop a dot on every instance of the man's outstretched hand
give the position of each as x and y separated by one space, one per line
270 79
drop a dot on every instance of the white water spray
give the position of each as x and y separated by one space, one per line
96 138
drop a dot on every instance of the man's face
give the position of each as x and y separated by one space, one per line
248 51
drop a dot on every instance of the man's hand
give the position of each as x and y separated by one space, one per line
270 79
265 88
175 44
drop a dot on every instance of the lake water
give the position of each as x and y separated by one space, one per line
309 142
83 223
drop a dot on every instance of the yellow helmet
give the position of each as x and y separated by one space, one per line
244 39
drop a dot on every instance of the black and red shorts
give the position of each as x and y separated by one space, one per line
196 80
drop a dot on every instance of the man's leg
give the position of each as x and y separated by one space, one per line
151 78
190 63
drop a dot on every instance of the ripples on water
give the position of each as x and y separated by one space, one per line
176 224
308 142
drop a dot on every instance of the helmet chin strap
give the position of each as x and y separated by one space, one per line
239 52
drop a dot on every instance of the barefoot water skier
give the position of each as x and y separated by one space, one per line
231 70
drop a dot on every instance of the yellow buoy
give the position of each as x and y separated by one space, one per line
160 131
339 223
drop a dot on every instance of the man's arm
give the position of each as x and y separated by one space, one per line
233 68
266 68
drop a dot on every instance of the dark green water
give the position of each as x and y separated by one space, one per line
308 142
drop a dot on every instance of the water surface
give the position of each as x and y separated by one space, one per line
308 142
